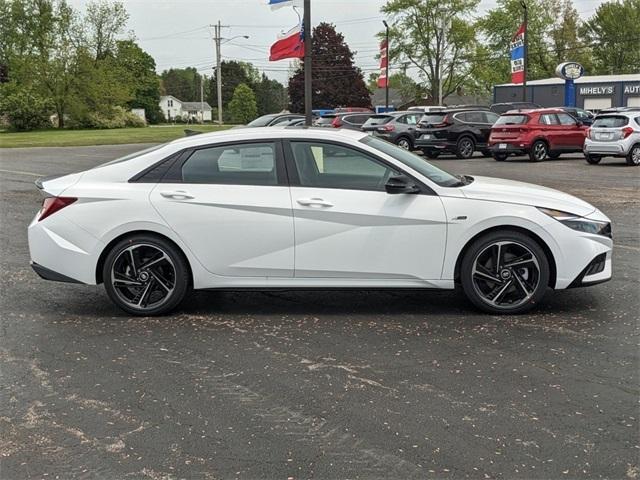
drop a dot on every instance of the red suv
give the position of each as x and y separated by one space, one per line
542 133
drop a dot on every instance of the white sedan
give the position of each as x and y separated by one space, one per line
288 208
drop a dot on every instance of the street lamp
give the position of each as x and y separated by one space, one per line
386 83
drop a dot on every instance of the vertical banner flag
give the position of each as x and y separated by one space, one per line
384 59
517 55
288 45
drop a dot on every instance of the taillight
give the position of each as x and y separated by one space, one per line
626 131
337 123
588 133
446 121
386 128
51 205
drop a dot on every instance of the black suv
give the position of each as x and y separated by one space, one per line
394 127
461 131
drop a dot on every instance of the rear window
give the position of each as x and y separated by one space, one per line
432 118
610 121
377 120
512 120
261 121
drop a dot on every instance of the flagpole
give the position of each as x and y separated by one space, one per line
308 98
526 50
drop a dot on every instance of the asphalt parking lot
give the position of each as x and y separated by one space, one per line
320 384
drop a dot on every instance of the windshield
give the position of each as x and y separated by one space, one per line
610 122
261 121
413 161
511 120
377 120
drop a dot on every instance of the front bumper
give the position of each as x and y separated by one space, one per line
597 271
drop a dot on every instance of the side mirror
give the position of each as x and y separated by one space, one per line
401 184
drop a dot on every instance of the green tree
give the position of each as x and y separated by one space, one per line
140 68
271 96
103 22
337 82
242 106
233 74
614 30
436 38
407 86
182 83
24 107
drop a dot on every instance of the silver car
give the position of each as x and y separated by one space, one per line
614 135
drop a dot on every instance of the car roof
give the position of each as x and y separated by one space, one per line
534 110
272 133
618 113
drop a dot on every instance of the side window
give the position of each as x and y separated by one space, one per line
324 165
242 164
413 119
490 117
549 119
402 119
566 119
475 117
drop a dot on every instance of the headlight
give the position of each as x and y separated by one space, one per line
578 223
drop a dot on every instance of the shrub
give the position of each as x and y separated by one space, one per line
116 117
24 109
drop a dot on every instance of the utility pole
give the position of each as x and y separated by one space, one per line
218 39
386 83
308 84
202 78
526 50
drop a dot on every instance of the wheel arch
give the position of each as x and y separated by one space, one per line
545 248
114 241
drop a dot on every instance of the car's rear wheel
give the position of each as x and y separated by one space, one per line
430 153
633 158
505 272
539 151
145 275
592 159
465 147
404 143
500 157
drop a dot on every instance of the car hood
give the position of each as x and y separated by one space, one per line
499 190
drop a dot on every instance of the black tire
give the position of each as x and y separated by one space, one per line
633 157
404 143
554 155
430 153
539 151
142 281
500 157
465 147
535 276
592 159
485 153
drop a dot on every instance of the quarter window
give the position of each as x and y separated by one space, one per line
490 117
332 166
242 164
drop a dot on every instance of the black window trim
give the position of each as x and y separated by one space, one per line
170 160
294 179
174 174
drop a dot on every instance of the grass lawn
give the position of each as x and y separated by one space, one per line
68 138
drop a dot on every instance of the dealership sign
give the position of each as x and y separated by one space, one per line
603 90
569 70
632 89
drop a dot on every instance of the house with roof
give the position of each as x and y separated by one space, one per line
174 108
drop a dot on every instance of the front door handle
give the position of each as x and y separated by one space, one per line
314 202
177 195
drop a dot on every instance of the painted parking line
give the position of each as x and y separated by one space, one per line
17 172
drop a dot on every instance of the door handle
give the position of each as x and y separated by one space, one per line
314 202
177 195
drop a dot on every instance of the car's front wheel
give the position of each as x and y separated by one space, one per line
633 158
145 275
505 272
592 159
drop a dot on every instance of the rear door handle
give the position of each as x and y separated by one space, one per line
177 195
314 202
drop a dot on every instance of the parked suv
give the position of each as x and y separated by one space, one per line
274 119
614 135
461 131
579 114
541 134
395 127
350 121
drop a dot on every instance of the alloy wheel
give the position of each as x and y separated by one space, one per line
143 276
505 274
465 148
635 155
540 151
404 144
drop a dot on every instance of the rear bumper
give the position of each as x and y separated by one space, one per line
614 149
48 274
508 148
435 144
